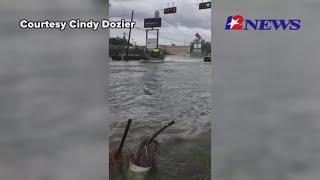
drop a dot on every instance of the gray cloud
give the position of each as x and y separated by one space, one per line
188 19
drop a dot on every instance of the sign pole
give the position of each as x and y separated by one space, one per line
129 37
157 38
146 50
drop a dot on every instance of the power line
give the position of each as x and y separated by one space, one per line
183 32
165 36
123 16
164 27
174 39
162 11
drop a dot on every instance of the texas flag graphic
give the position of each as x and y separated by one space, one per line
234 23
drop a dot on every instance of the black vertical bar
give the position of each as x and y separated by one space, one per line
146 49
124 46
129 37
157 38
123 138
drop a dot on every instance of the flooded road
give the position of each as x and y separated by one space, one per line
155 94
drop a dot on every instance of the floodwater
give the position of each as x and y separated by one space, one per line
155 94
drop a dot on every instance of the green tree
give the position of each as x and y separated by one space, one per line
206 48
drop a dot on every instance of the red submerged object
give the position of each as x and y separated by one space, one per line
118 157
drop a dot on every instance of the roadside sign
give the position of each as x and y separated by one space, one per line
197 46
196 50
152 22
151 43
198 36
205 5
170 10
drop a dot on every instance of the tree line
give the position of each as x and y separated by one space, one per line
118 41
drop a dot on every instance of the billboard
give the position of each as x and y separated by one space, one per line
152 22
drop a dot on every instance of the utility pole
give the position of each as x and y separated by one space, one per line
185 36
124 44
129 37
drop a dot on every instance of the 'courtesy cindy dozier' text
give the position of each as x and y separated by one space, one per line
76 24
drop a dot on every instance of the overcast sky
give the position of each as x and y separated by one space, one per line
179 27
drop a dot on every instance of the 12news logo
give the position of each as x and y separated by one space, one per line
238 23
